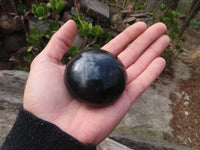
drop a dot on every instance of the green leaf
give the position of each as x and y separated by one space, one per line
60 6
182 39
53 3
40 12
90 26
22 9
28 58
85 27
22 68
34 7
180 51
73 50
35 36
97 46
29 48
97 30
49 5
35 31
173 35
178 46
52 28
44 5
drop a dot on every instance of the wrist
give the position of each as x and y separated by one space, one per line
30 130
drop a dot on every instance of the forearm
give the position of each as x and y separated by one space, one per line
32 133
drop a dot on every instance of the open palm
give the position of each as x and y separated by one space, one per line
47 97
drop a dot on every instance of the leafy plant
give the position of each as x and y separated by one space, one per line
41 11
22 68
137 6
51 29
178 45
73 50
94 34
56 6
154 18
165 4
179 13
169 18
36 39
194 23
28 58
22 9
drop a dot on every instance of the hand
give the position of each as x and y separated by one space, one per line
47 97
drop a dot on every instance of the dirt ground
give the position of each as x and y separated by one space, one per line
186 100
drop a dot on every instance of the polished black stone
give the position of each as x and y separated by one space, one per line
95 77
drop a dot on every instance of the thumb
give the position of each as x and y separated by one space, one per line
61 41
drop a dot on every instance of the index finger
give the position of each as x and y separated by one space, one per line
119 43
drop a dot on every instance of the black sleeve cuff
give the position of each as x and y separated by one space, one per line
31 133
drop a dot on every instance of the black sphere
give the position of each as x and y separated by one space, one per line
96 77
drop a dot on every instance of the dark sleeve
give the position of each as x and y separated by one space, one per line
32 133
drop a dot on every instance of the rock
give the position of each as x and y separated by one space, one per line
180 138
186 113
67 15
129 20
116 18
73 11
8 114
4 55
79 42
9 25
139 143
186 104
12 85
152 109
4 65
39 24
14 42
96 9
142 131
109 144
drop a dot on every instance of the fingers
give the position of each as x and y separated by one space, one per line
139 85
118 44
137 47
61 41
147 57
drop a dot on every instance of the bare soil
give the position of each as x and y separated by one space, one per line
186 100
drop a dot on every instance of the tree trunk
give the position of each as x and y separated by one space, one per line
153 4
193 11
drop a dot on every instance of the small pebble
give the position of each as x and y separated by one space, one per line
186 104
186 113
